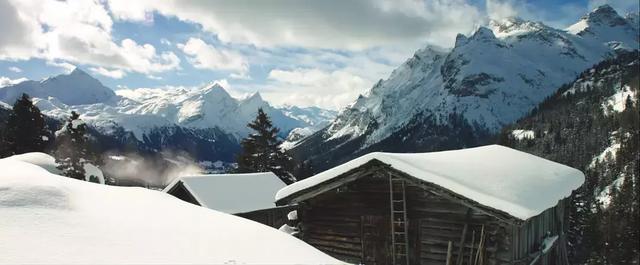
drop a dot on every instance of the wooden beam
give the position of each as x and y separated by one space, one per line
461 246
449 249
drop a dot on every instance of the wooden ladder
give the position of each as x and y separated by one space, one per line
399 227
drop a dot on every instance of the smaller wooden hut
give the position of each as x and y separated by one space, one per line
485 205
245 195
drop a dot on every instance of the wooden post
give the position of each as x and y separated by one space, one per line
480 246
449 249
473 241
461 247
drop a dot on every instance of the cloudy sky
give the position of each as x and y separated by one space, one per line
321 53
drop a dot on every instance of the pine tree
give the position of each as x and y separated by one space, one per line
261 150
26 130
72 149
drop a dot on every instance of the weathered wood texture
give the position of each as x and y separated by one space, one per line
352 222
442 220
528 237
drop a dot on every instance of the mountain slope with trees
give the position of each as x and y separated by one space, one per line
592 124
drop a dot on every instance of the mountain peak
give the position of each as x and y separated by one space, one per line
461 39
604 14
256 96
215 90
78 71
483 33
75 88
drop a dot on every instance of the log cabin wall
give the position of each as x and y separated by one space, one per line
337 221
352 223
437 220
528 237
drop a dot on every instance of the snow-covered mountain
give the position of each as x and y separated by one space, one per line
205 123
142 110
76 88
442 99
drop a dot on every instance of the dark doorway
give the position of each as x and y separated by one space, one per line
376 240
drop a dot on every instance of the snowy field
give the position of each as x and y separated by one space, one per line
47 218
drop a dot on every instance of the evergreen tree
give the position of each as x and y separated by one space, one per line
261 150
26 130
72 151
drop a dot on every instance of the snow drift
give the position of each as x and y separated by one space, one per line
51 219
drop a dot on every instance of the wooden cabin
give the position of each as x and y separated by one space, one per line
245 195
485 205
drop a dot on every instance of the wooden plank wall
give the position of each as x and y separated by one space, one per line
528 237
440 220
332 222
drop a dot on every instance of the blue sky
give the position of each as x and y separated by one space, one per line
321 53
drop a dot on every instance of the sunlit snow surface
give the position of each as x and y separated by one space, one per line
51 219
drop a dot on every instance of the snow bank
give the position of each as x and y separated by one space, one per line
49 163
39 159
232 193
515 182
56 220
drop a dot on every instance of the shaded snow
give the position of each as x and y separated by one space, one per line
295 136
232 193
56 220
609 153
617 102
604 196
515 182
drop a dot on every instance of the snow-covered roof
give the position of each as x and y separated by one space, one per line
520 184
49 219
232 193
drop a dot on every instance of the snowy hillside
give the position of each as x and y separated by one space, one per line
141 110
49 219
486 81
592 124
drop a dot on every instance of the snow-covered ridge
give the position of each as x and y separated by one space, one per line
48 219
492 77
139 110
74 88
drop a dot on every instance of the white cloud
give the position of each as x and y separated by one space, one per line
153 77
316 24
115 74
313 87
205 56
64 65
15 69
19 36
498 9
5 81
74 31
